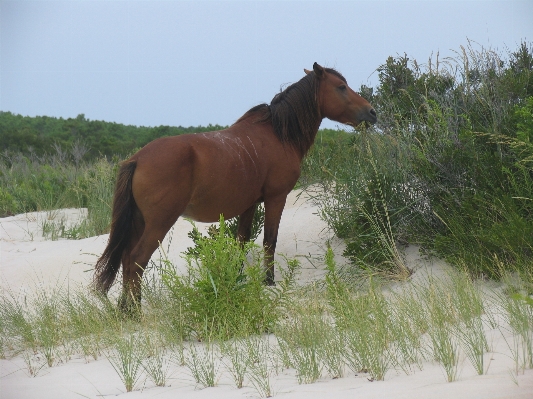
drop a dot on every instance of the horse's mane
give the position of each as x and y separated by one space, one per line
294 112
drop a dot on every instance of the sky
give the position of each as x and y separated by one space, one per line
151 63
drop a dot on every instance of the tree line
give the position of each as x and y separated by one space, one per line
40 134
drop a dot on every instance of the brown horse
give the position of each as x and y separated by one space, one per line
201 176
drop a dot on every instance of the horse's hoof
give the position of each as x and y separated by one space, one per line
129 309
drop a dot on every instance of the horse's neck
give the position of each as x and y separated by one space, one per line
312 137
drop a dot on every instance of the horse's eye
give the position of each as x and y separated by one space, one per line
342 87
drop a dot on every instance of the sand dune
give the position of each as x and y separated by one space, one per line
29 263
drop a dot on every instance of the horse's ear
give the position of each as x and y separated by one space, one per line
319 71
307 71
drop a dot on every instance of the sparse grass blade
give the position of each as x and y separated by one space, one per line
469 328
445 350
440 310
331 351
201 359
473 342
16 319
126 359
236 360
302 336
154 363
518 314
408 324
365 321
259 369
33 366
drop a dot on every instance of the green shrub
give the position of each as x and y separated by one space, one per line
447 166
230 231
223 293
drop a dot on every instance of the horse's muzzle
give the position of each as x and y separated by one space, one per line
371 116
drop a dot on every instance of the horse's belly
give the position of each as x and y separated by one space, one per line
210 212
208 202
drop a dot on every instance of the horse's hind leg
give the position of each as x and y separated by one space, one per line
128 276
133 269
244 230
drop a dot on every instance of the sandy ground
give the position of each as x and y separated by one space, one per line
29 263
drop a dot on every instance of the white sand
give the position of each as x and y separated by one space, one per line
29 263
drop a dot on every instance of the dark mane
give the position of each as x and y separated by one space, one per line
294 112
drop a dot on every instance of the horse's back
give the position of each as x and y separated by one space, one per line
204 175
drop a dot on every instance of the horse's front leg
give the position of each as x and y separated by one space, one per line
273 210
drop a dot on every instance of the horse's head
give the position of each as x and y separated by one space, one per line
338 102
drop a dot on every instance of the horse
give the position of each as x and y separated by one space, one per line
228 172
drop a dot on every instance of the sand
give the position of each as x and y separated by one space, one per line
29 263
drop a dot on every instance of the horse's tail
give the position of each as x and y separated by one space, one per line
107 266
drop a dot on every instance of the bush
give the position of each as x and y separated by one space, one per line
222 293
447 166
59 180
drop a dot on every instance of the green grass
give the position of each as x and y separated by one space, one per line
516 307
126 359
323 332
202 361
259 372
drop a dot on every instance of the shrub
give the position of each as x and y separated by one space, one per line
447 166
223 292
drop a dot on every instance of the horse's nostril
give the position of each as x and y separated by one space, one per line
373 112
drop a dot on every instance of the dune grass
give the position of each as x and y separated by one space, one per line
448 166
332 332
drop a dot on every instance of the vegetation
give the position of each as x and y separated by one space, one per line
37 135
318 332
448 167
224 294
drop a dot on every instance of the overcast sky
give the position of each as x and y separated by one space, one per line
193 63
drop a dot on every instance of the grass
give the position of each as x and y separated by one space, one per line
56 180
516 307
324 333
303 338
126 359
259 372
155 364
202 361
236 359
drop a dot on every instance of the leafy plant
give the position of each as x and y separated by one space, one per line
231 227
223 292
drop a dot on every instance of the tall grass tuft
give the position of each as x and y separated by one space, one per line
236 359
303 338
259 370
517 310
155 365
365 322
126 359
202 361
